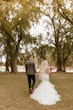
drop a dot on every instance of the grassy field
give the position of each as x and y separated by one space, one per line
14 93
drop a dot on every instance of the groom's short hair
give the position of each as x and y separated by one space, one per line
30 55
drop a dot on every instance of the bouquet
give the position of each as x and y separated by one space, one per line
51 68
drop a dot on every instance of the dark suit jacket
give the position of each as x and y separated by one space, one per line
30 67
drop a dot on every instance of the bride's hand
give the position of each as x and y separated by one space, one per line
48 71
36 74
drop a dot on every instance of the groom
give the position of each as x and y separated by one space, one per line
30 72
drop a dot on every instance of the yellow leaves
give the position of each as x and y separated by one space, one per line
41 1
8 27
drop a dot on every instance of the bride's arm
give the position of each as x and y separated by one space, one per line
38 71
48 70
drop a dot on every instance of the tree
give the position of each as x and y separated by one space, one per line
61 32
67 14
18 16
66 11
14 24
63 39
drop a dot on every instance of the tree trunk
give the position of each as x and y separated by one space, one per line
64 66
59 65
7 64
14 65
14 54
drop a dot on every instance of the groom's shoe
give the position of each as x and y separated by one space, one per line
31 90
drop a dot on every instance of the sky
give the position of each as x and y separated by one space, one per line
40 28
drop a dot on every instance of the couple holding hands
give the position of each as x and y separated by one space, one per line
45 93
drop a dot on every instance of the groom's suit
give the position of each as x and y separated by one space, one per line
30 71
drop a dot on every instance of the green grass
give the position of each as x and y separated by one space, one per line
14 93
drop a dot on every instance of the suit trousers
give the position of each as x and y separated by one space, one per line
31 81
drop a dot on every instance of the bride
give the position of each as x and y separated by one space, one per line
45 93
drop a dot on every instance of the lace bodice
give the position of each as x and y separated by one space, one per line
43 76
